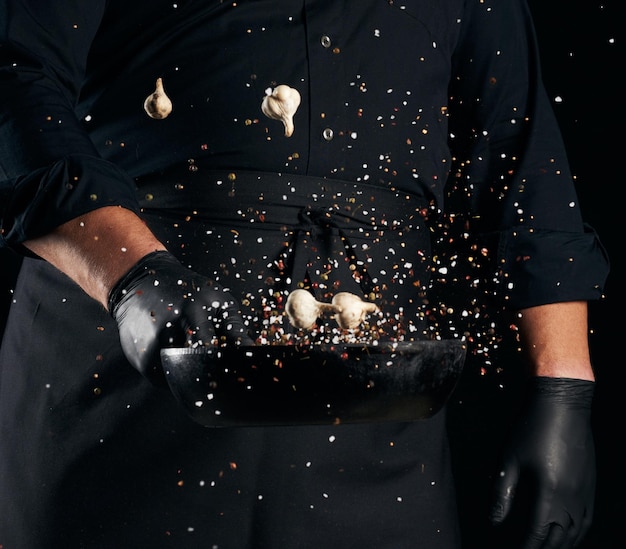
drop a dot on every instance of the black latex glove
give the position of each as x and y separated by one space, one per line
551 457
159 303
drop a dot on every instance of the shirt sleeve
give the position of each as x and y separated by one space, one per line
50 171
511 183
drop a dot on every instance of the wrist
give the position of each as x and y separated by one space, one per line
97 249
136 272
564 391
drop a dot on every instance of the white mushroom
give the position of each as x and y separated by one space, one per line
158 105
303 309
351 310
281 103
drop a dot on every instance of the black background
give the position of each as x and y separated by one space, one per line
579 44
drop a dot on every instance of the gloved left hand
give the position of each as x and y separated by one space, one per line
552 457
160 303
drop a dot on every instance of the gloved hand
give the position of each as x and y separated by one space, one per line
160 303
552 457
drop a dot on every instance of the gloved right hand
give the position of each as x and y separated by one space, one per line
160 303
551 457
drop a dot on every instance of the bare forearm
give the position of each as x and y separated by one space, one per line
97 249
555 338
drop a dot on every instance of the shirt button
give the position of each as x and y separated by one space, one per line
325 41
328 134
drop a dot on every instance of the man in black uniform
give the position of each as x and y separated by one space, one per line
120 207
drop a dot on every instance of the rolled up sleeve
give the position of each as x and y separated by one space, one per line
50 171
511 180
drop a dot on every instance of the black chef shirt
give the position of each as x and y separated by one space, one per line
412 94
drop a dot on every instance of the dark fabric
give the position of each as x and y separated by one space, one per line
260 234
464 105
441 100
110 460
93 455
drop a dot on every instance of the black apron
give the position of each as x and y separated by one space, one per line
95 456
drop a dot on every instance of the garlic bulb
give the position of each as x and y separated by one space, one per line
303 309
158 105
351 310
281 103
